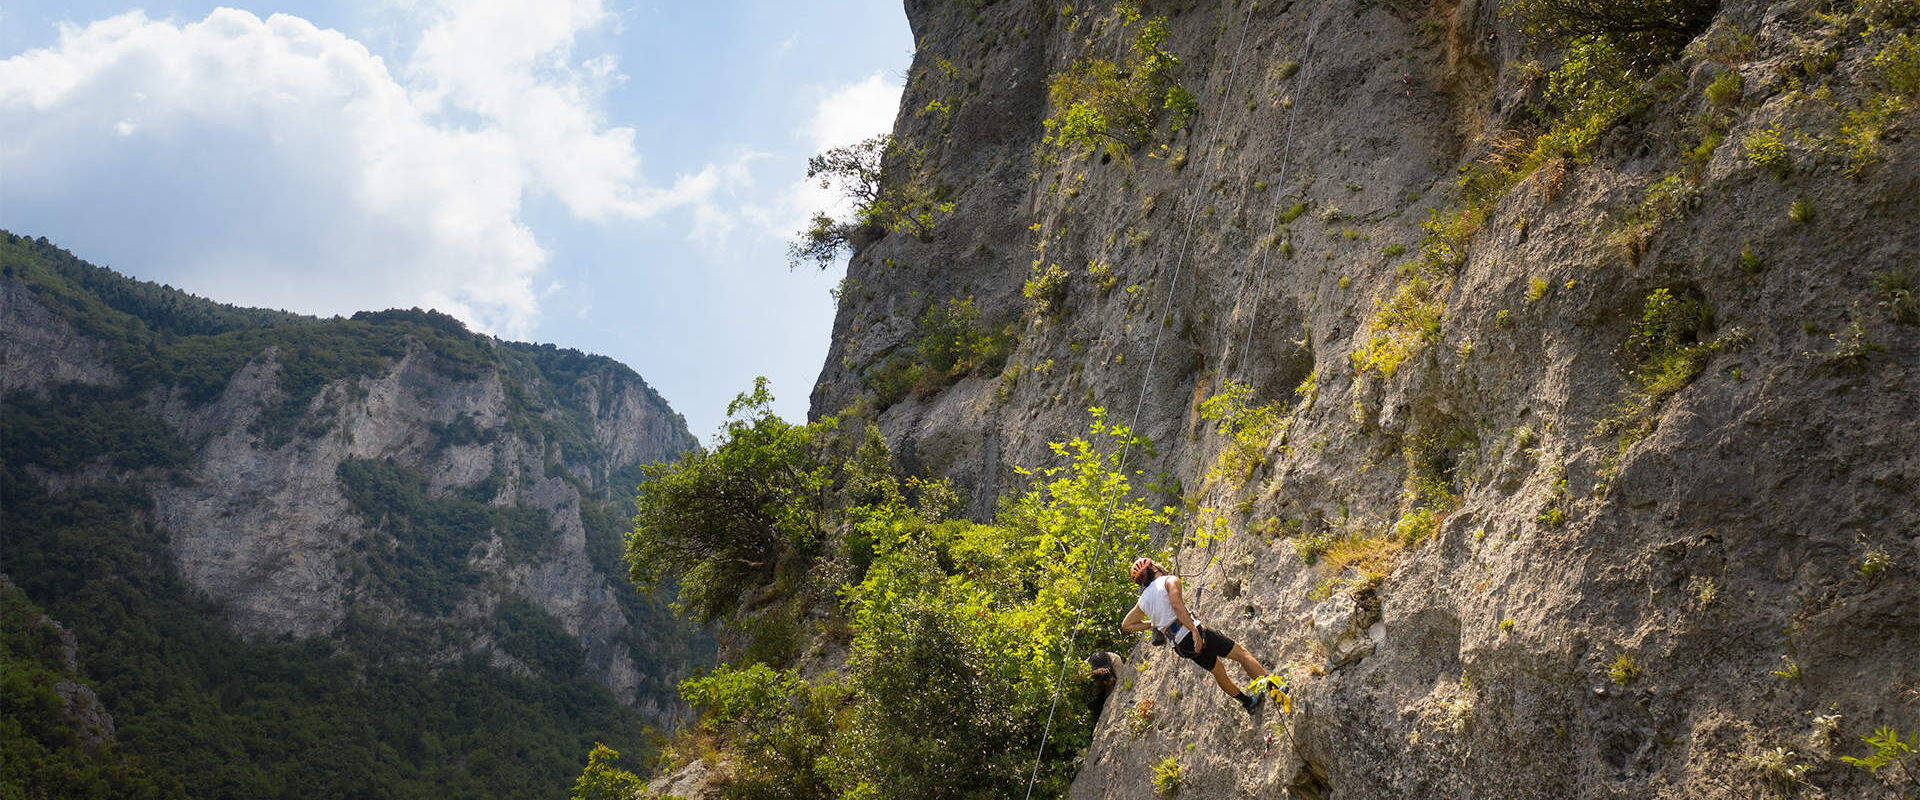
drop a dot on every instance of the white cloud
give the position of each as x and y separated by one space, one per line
287 166
855 112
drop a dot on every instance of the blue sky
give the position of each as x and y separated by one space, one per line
615 176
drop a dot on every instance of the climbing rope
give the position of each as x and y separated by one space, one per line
1279 190
1273 224
1146 382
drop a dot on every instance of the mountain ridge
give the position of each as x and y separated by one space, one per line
389 488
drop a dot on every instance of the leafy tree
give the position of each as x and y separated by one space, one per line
723 522
887 192
780 727
604 781
960 629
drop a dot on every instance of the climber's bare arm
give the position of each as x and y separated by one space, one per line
1136 621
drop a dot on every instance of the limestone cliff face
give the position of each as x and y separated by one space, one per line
261 522
1594 612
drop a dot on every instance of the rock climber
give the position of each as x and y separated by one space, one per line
1162 607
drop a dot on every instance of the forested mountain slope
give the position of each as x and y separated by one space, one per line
369 557
1531 383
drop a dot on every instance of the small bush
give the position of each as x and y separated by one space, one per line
1706 590
1896 291
1536 289
1418 525
1100 104
894 378
1801 211
1857 142
731 695
1669 198
1249 428
1046 289
602 780
1312 546
1166 776
1899 65
1889 749
1401 326
1726 89
1667 343
1140 717
1647 32
1102 276
1766 148
1624 670
1875 563
1777 767
954 343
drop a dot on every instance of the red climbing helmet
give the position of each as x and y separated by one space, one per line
1140 567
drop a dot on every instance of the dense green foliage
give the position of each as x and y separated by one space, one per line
1646 32
724 522
604 781
203 714
422 556
1097 103
373 711
958 629
45 750
954 343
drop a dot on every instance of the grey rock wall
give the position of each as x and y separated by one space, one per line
1771 517
38 348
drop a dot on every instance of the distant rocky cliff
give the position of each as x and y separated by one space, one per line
391 472
1586 465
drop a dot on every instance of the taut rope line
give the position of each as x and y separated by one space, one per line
1146 381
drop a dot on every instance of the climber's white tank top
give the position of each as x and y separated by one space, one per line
1159 609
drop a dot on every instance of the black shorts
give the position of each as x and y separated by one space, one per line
1218 645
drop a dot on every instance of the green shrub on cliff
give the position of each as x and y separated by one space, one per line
888 194
1645 32
723 522
1097 103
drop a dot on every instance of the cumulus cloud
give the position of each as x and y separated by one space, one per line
855 112
289 166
